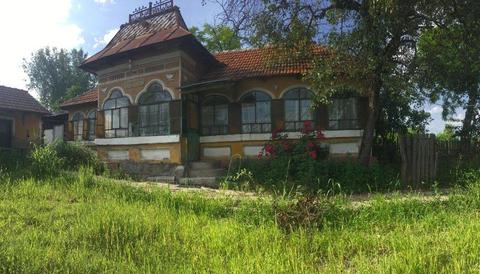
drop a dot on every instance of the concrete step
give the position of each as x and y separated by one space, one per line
217 172
199 182
203 165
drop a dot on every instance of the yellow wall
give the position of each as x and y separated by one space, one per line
168 74
26 128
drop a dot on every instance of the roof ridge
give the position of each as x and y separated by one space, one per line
11 88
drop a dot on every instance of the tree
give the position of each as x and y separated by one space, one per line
371 45
449 58
217 38
55 75
448 133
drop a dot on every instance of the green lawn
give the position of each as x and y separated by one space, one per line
82 224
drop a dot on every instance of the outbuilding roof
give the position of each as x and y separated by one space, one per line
90 96
19 99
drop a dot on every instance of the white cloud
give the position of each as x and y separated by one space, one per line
102 41
103 2
26 28
436 110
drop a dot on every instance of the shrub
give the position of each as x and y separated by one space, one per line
288 165
76 155
45 162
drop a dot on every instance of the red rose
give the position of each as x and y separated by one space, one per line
307 127
313 155
320 135
269 149
311 145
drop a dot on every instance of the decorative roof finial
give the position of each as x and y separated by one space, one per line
152 9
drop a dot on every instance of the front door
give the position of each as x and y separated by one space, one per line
5 133
193 146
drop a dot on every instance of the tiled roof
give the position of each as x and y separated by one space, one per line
90 96
18 99
165 26
248 63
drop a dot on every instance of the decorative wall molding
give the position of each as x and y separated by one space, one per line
217 152
155 154
118 155
138 140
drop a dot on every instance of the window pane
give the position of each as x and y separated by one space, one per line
108 119
122 102
246 129
291 110
207 115
221 115
263 112
115 118
143 115
248 113
109 104
124 117
306 111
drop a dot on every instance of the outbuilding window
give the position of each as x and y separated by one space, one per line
256 112
116 115
214 113
154 109
298 108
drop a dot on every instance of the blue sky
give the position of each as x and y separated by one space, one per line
89 24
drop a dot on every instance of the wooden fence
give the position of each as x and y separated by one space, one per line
419 156
426 159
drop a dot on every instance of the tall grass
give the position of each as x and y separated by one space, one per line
80 223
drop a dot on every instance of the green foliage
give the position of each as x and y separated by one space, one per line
449 59
46 162
448 133
56 75
76 155
51 160
217 38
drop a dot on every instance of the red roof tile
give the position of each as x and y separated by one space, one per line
162 27
90 96
18 99
247 63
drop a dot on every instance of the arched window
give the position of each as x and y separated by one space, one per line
154 109
256 112
343 113
214 113
116 115
77 121
298 104
92 123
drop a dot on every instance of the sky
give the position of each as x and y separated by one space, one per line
87 24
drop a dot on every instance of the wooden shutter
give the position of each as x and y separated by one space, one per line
321 113
278 114
234 118
85 130
133 118
363 111
100 127
175 116
69 131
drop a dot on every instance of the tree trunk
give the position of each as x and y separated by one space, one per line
369 131
467 128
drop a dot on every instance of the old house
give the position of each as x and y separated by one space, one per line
165 100
20 119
